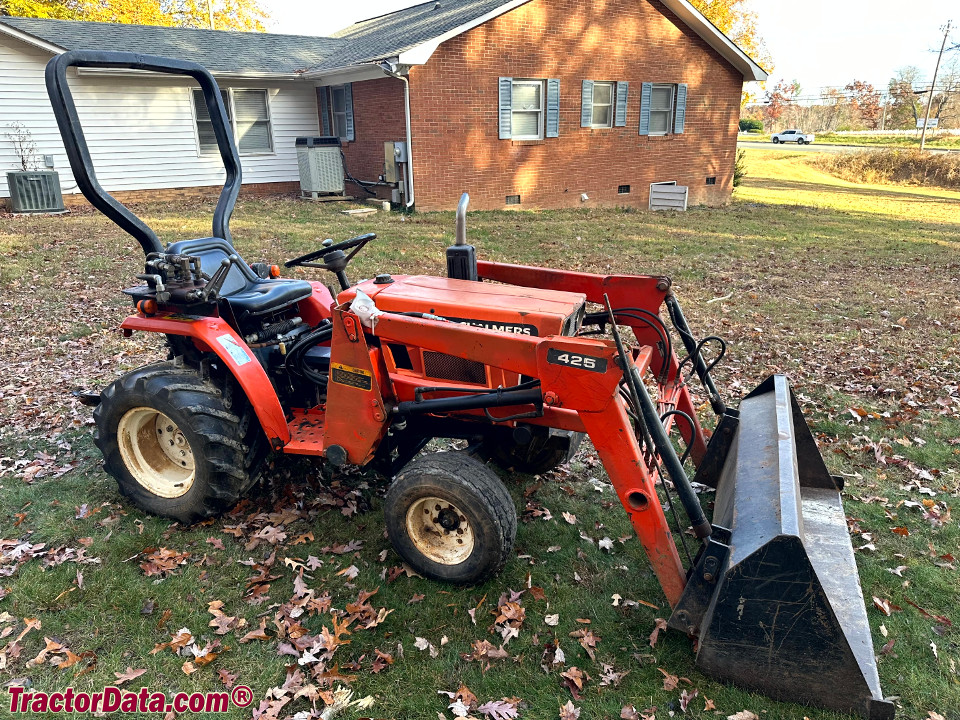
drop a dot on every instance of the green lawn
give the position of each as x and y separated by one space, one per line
908 141
849 289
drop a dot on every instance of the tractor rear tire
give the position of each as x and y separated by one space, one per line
538 456
179 445
450 518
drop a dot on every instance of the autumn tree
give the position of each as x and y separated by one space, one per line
248 15
864 103
779 99
906 105
737 21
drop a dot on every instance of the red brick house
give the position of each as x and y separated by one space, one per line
539 102
529 103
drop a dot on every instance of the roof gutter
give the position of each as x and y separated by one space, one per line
390 69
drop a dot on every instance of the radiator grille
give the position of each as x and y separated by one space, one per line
448 367
35 191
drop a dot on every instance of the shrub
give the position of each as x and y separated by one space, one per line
750 125
740 168
894 166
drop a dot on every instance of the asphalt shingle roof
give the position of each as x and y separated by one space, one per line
388 35
218 51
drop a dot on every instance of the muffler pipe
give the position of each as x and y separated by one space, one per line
462 258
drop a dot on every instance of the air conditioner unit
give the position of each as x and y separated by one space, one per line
321 166
35 192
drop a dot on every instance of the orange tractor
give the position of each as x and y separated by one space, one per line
523 361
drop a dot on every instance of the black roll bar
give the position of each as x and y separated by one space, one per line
78 153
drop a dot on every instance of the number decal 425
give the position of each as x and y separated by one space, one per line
576 360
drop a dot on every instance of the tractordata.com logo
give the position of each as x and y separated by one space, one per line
113 699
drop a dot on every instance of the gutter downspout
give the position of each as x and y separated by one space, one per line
390 69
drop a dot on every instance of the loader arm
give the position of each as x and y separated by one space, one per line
589 388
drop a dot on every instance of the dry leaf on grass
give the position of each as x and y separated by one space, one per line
128 675
569 712
743 715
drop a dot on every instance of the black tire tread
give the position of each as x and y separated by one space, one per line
231 445
462 473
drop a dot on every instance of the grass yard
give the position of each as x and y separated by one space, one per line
850 289
938 140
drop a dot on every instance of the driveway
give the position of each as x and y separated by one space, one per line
793 147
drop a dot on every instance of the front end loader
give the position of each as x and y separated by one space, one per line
523 363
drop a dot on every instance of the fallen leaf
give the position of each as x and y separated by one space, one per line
552 620
569 712
572 519
743 715
686 698
128 675
661 624
670 682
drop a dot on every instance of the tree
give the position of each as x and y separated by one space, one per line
906 107
248 15
865 103
778 100
738 22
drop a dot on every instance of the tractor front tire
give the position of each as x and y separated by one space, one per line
179 445
450 518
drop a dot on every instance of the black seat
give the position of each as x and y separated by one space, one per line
244 289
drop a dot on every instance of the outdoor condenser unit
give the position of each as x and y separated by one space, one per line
32 192
321 166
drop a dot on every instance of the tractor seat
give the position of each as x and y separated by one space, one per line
244 289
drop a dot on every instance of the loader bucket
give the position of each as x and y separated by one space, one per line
774 596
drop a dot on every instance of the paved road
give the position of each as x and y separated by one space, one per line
793 147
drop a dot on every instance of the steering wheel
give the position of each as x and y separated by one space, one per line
336 263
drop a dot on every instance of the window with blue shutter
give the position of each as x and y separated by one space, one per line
621 112
646 94
681 113
506 107
336 109
586 103
323 94
553 108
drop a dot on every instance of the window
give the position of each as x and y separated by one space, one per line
603 104
248 112
526 108
252 121
529 109
208 141
336 111
663 108
603 95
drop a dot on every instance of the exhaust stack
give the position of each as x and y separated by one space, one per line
462 258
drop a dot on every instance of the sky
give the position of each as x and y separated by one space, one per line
820 43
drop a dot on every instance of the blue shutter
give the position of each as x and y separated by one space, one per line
646 96
506 107
553 108
348 106
586 104
681 117
324 95
620 119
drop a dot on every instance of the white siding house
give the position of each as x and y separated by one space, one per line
141 130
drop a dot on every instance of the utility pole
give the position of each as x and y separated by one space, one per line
210 13
933 85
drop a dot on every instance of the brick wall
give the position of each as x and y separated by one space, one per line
74 200
378 116
454 101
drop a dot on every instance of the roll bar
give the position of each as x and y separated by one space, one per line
78 153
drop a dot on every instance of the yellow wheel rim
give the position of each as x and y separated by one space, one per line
440 531
156 452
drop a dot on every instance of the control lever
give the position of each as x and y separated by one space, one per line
211 291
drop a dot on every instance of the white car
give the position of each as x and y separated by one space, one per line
797 136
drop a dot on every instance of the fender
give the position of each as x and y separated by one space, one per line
215 335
